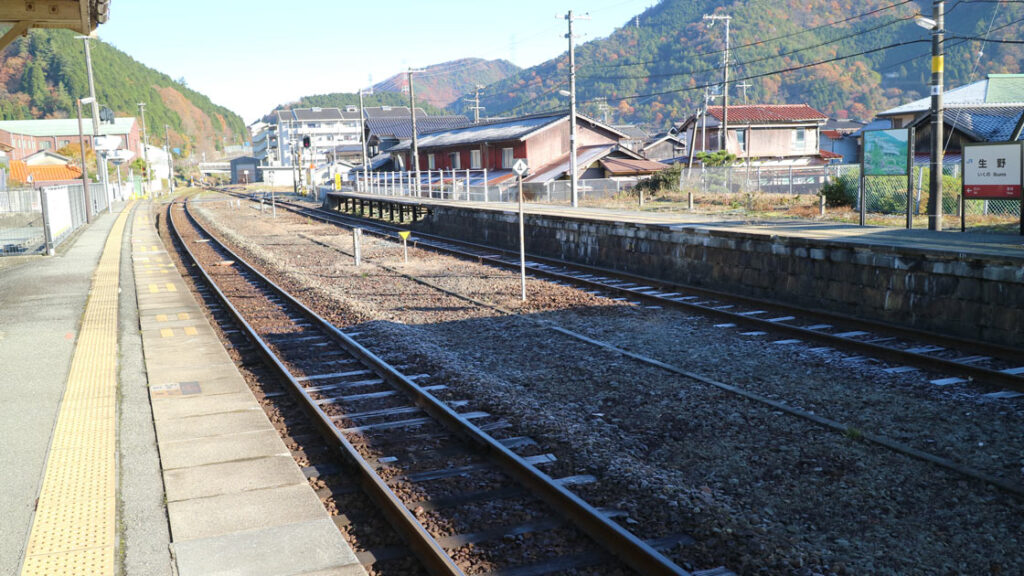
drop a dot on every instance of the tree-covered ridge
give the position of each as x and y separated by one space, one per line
444 84
343 99
43 73
654 73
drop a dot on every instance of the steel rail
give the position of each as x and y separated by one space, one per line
426 548
621 543
951 366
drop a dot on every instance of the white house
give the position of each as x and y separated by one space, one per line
326 128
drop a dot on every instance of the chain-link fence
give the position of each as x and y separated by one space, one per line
38 220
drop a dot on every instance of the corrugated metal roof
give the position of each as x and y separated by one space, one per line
63 127
401 128
1004 88
995 90
629 166
391 112
498 131
584 157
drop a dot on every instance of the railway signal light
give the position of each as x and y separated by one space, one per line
305 141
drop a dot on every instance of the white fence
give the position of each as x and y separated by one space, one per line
39 220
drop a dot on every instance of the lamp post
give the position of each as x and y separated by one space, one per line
145 147
936 24
81 146
170 158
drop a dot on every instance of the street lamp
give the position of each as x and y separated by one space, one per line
935 24
100 161
81 147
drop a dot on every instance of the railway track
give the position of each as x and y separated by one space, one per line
441 476
958 361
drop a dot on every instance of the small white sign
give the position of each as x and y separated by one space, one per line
107 143
520 167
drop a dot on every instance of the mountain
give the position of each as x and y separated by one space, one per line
42 74
442 84
653 70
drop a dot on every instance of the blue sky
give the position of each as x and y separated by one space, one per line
253 55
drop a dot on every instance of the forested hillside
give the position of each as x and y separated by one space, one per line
42 74
443 84
343 99
655 73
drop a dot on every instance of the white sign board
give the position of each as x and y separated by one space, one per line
121 155
992 171
106 143
520 167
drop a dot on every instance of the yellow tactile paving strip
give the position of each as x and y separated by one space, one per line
74 530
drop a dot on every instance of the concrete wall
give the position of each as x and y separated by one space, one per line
945 293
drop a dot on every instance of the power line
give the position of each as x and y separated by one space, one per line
767 40
756 60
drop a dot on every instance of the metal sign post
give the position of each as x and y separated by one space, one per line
357 237
520 169
404 234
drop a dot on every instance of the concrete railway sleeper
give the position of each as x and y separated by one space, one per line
402 441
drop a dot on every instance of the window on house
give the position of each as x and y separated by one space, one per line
799 139
474 159
45 145
454 160
741 139
67 142
506 158
430 161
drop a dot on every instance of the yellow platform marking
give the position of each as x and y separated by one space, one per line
191 331
171 287
153 288
183 316
161 317
74 531
166 333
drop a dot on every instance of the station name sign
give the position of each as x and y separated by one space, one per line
993 171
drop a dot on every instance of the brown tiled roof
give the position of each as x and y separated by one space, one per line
765 113
828 155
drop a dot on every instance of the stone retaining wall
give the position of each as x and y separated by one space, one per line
944 292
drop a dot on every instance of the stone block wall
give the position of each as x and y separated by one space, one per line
943 292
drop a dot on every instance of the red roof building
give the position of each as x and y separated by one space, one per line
44 175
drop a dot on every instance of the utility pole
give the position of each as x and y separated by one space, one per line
170 157
744 86
476 104
145 147
935 176
362 130
572 109
85 177
100 164
415 164
723 134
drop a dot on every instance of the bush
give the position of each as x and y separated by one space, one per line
841 191
664 181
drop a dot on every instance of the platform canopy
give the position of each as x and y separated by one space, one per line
82 16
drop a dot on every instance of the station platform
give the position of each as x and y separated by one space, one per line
948 240
131 444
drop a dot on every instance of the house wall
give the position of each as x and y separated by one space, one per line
774 142
27 145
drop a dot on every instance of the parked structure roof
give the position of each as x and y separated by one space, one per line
308 114
631 167
391 112
982 123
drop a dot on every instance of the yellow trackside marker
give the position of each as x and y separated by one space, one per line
171 288
183 316
190 331
938 64
153 289
166 333
161 317
74 531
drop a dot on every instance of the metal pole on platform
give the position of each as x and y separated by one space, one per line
522 241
